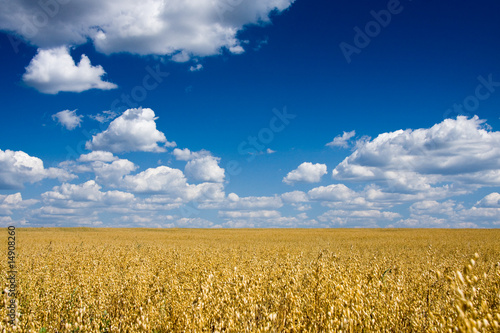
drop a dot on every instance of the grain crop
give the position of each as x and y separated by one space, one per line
255 280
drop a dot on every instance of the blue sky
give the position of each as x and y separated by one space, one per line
236 113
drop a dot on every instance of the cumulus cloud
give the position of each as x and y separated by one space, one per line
172 184
334 192
196 68
80 204
450 214
366 218
432 207
306 172
194 222
265 218
161 179
82 195
189 28
295 197
423 221
68 119
15 201
460 154
201 165
234 202
18 168
342 140
98 155
54 70
205 169
491 200
108 169
134 130
112 173
187 155
256 214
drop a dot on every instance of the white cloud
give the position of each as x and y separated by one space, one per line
201 166
134 130
108 169
17 168
194 222
306 172
460 154
266 219
154 180
68 119
54 70
492 200
432 207
334 192
186 155
182 56
342 140
104 116
295 197
366 218
112 173
15 201
205 169
98 155
235 202
256 214
423 221
449 214
196 68
173 185
84 195
301 207
6 221
233 197
190 28
205 192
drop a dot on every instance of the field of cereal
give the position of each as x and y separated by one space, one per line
255 280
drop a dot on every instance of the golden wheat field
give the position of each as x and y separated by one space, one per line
263 280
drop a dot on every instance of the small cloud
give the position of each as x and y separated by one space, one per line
270 151
134 130
342 140
306 172
54 70
187 155
196 68
205 169
262 152
182 56
492 200
98 155
233 197
68 119
104 116
237 49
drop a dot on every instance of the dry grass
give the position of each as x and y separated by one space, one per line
137 280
